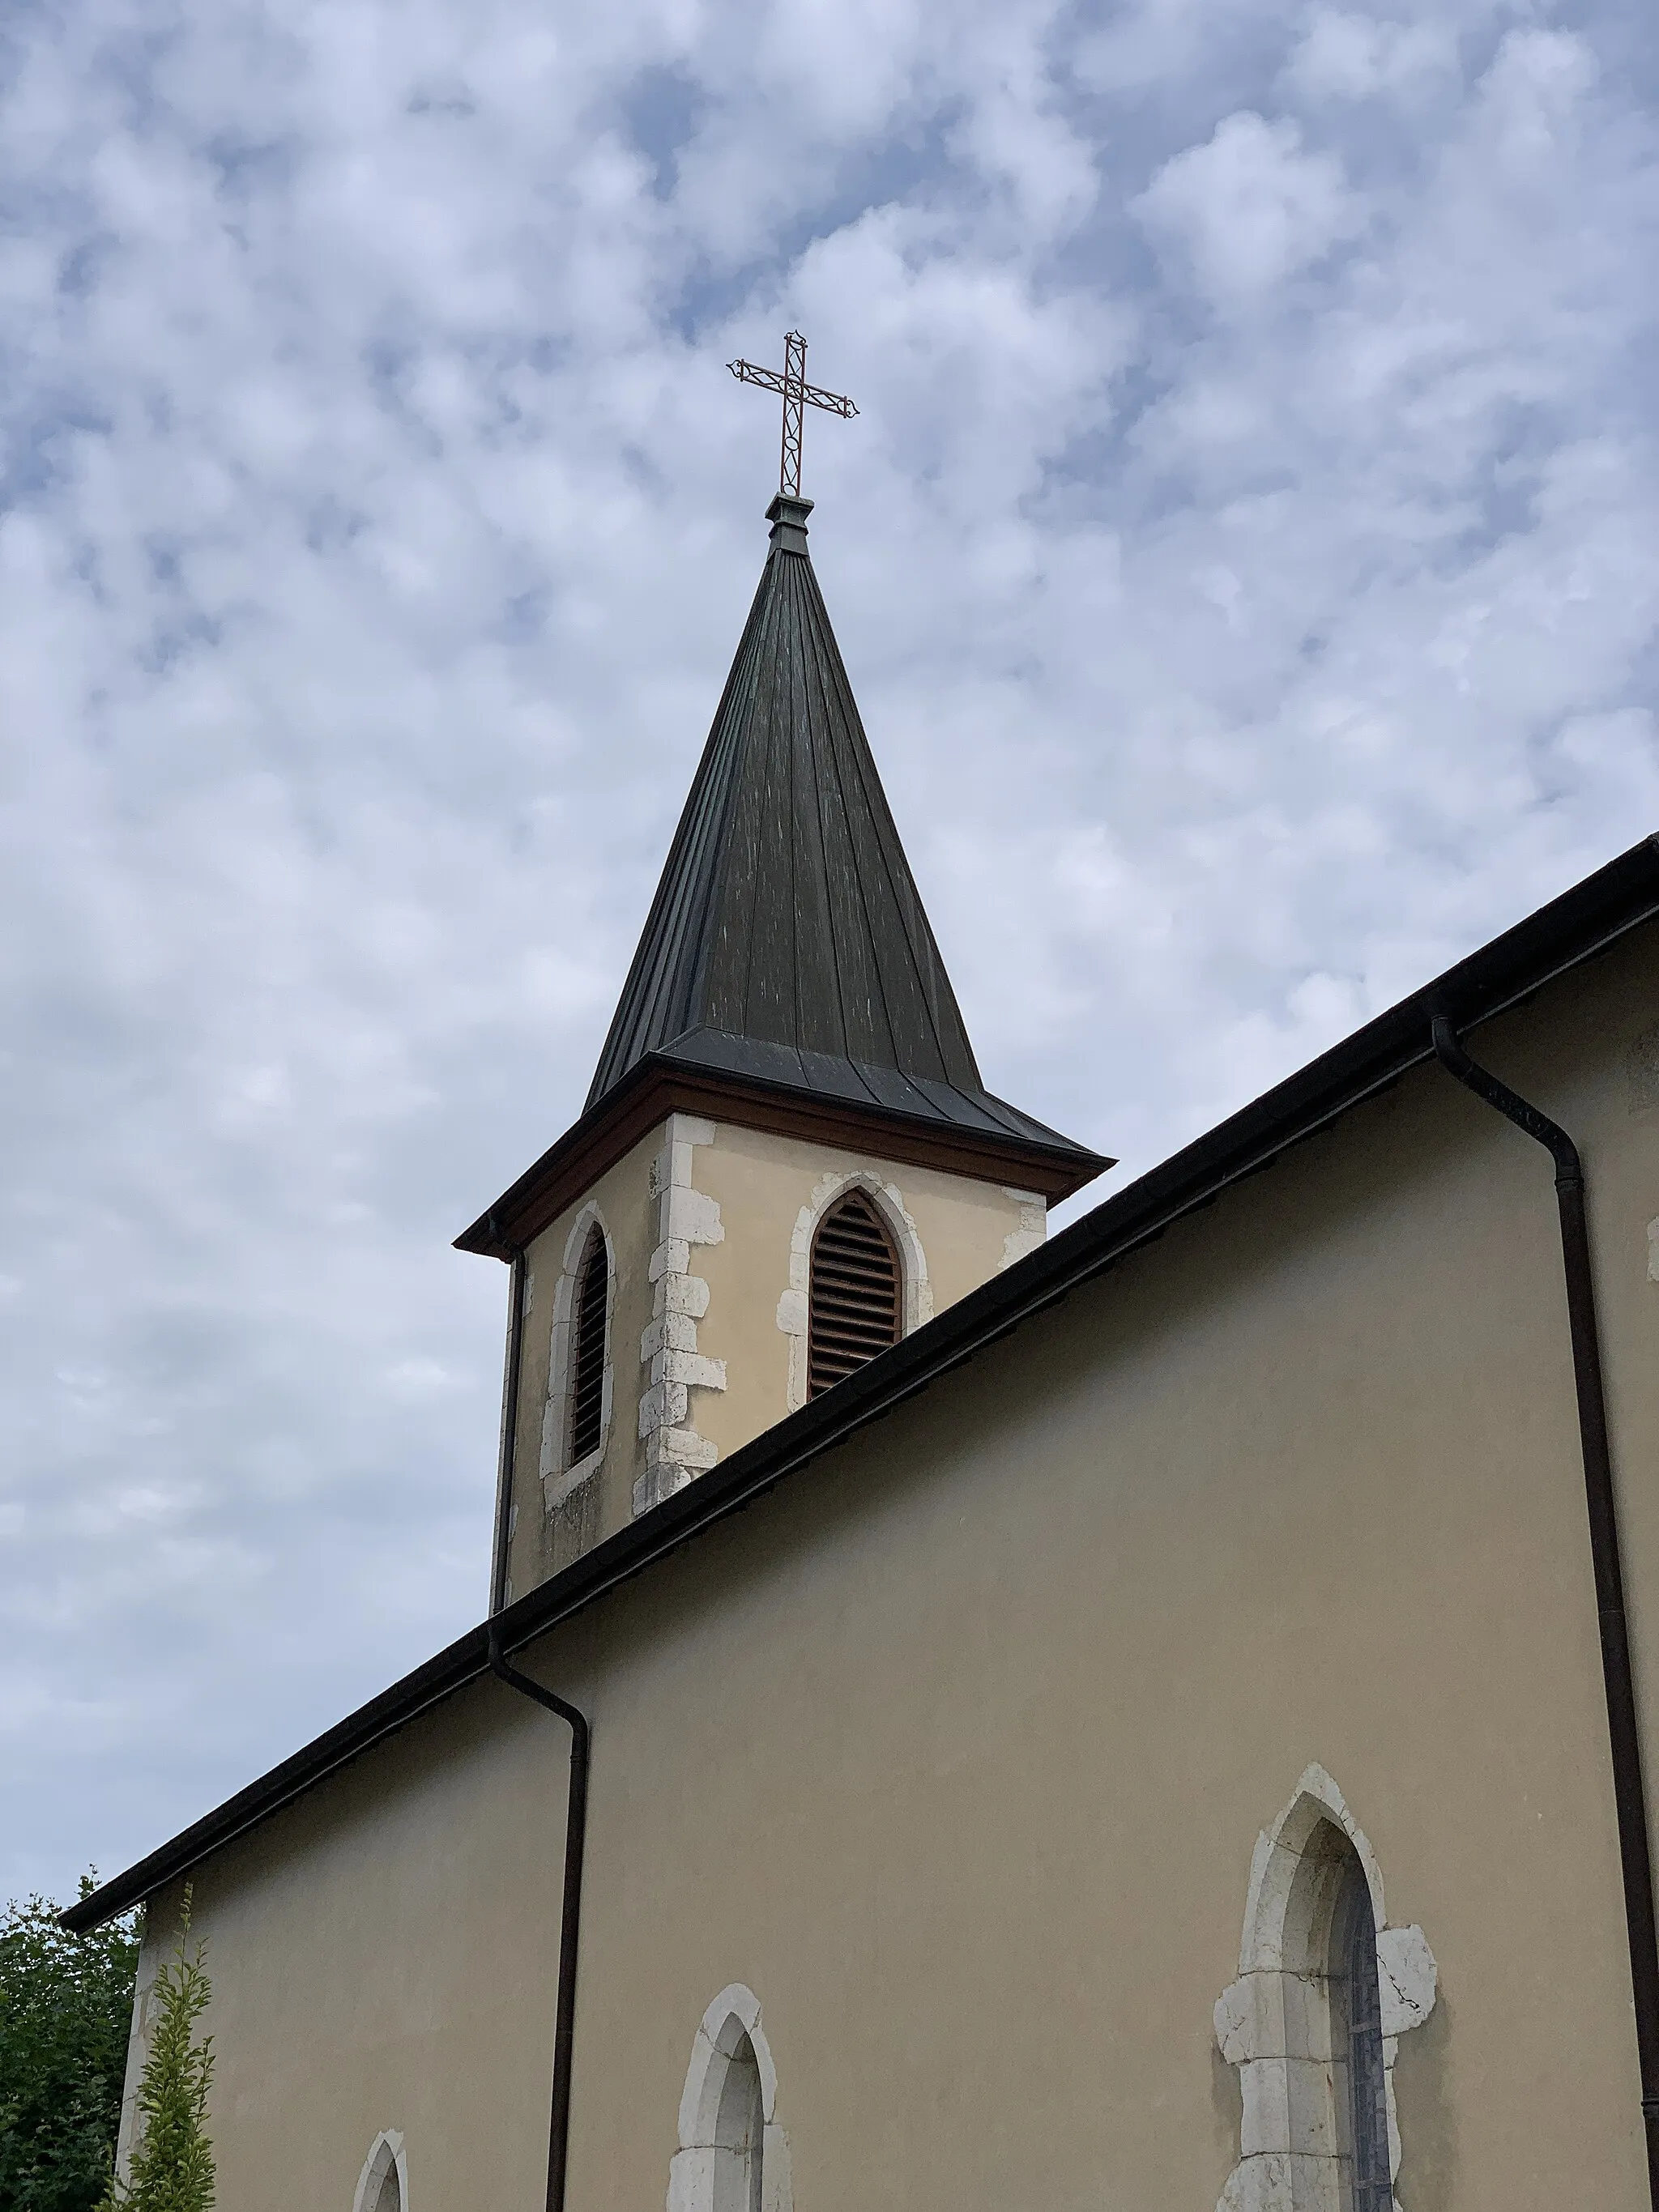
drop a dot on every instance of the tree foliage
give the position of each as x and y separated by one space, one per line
65 2015
172 2168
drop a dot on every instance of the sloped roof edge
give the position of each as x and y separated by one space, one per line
1582 922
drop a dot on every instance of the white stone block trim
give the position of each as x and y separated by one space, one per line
916 1291
560 1478
693 2171
1033 1229
151 1956
386 2153
1273 2023
686 1217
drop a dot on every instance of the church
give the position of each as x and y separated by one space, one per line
1153 1716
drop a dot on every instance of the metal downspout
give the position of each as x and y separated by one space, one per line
575 1823
575 1835
1624 1738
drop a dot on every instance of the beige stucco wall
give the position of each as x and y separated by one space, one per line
955 1746
383 1956
770 1190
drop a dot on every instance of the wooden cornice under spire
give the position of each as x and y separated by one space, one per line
654 1089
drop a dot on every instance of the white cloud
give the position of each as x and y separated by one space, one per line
1250 206
379 519
1351 57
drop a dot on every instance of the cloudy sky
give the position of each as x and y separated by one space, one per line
1244 556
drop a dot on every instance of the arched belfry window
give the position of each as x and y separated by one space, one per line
587 1348
854 1304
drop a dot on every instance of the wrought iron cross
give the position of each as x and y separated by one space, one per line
798 395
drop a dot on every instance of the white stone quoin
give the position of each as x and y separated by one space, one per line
686 1217
1033 1229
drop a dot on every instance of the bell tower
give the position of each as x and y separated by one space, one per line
786 1159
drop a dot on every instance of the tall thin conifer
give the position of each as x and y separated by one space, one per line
172 2168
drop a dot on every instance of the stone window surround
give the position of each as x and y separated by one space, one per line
558 1479
1273 2023
384 2153
687 1217
734 2013
916 1291
150 1958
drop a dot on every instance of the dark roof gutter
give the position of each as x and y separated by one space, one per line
1573 928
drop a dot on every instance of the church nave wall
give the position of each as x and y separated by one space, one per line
957 1751
381 1954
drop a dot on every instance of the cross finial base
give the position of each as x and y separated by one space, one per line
788 516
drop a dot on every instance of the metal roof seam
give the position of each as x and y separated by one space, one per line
933 981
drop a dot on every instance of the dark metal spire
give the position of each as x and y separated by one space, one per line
786 944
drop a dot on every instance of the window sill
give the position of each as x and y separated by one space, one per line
557 1488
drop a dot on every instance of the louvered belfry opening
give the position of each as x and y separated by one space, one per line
853 1309
588 1352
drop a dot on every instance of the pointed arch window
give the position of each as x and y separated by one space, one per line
734 2152
1357 2020
739 2134
1326 1989
589 1317
853 1303
382 2186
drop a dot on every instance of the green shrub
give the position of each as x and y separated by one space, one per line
65 2015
